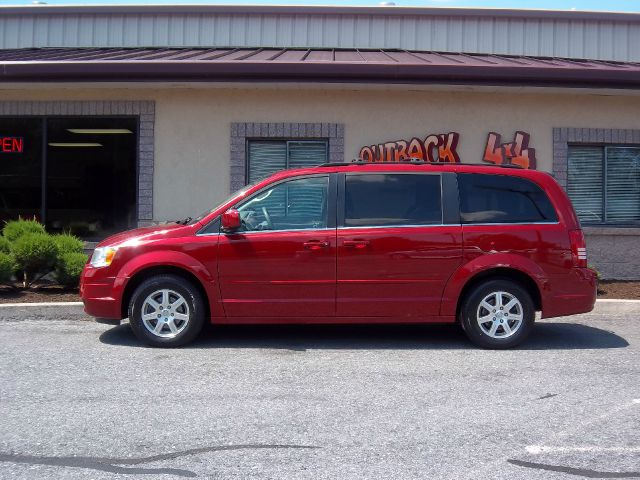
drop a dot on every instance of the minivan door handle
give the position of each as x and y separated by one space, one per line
315 245
356 243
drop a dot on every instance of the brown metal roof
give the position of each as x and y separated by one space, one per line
308 65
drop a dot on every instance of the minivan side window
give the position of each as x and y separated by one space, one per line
392 199
292 205
502 199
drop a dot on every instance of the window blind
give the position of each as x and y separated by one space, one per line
603 183
622 185
307 154
585 181
307 201
266 157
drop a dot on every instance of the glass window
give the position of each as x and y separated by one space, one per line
91 175
89 167
292 205
502 199
266 157
20 168
392 199
603 183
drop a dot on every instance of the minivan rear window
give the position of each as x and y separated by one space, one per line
392 199
502 199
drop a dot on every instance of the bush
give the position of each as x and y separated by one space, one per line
69 268
34 253
7 267
67 243
5 245
14 229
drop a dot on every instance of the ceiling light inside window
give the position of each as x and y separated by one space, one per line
77 145
100 131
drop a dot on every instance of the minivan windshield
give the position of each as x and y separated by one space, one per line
192 220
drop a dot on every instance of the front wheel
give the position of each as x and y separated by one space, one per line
497 314
166 311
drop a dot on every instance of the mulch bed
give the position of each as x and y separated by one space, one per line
606 289
619 289
39 294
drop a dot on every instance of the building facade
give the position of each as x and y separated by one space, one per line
112 117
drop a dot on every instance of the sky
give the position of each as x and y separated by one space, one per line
600 5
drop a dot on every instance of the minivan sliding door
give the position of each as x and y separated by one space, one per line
395 252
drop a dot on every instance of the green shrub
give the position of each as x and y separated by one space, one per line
67 243
14 229
7 267
69 268
34 253
5 245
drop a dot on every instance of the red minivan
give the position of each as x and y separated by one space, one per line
485 246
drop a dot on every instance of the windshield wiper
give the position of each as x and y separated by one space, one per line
184 221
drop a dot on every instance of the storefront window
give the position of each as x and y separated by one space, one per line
20 168
604 184
265 157
75 174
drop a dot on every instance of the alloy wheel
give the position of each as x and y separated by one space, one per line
165 313
500 314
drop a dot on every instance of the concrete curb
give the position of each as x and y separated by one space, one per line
603 306
41 304
613 306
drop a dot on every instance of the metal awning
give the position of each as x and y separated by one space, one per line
308 65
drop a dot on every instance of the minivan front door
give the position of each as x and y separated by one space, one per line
395 253
282 262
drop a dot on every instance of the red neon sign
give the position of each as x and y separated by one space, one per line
11 144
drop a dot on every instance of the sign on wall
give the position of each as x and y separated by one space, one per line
11 144
517 152
442 147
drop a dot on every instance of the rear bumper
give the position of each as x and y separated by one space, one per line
97 292
570 294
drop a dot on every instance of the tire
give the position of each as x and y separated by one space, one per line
497 328
178 323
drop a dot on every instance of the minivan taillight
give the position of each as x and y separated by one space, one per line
578 248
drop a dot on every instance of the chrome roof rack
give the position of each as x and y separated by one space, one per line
415 161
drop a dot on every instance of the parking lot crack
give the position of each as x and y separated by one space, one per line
104 465
581 472
129 465
548 395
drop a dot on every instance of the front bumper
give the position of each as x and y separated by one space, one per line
98 294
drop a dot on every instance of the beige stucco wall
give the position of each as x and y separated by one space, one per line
192 136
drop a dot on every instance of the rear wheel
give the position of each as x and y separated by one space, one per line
498 313
166 311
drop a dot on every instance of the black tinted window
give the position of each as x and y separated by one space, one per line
388 199
502 199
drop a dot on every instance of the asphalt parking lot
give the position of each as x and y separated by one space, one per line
79 400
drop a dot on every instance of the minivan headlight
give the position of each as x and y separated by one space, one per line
103 256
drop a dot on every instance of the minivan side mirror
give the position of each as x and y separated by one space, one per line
231 220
